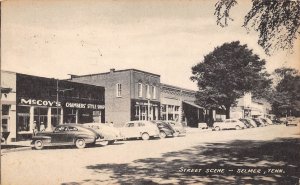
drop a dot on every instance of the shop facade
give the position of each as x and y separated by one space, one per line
43 103
130 94
178 104
8 105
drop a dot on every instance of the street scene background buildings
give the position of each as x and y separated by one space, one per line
117 61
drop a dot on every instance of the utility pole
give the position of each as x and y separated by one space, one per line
57 99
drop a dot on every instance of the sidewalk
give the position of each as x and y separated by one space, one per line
15 146
196 130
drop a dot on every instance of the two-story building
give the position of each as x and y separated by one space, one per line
130 94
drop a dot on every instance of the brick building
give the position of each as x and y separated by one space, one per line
177 104
130 94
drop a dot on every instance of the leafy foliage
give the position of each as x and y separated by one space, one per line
287 92
277 22
227 73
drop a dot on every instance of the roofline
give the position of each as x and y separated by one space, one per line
6 71
176 87
50 78
122 70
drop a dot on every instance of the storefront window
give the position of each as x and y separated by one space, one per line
70 115
163 108
97 116
23 118
40 117
85 116
144 113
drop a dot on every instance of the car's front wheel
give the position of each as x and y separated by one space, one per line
176 134
145 136
162 135
217 128
38 144
80 143
237 127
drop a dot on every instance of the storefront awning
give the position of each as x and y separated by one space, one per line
193 104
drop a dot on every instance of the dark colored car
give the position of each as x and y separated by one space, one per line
66 134
164 129
259 122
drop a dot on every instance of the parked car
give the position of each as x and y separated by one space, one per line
178 127
259 122
247 123
267 120
109 134
66 134
202 125
251 121
229 124
139 129
292 121
164 129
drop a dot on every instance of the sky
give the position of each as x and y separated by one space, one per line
60 37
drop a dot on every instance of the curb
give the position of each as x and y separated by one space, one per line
15 149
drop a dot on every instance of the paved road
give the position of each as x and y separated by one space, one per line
159 161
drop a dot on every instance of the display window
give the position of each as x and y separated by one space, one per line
40 118
23 118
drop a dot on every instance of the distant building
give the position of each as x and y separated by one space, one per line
247 107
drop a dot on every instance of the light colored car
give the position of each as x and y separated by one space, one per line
292 121
202 125
178 127
139 129
109 134
229 124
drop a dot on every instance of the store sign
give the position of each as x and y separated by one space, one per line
84 105
47 103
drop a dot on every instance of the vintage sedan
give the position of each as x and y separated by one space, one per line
164 129
229 124
66 134
178 127
109 134
139 129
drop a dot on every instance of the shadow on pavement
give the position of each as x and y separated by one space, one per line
235 154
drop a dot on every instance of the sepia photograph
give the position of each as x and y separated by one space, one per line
150 92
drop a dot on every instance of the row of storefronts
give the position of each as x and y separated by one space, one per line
37 103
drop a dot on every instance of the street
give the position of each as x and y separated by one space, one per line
159 161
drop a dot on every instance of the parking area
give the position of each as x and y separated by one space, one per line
156 160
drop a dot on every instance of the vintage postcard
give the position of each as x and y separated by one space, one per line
150 92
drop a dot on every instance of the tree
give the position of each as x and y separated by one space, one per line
226 74
286 99
277 21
